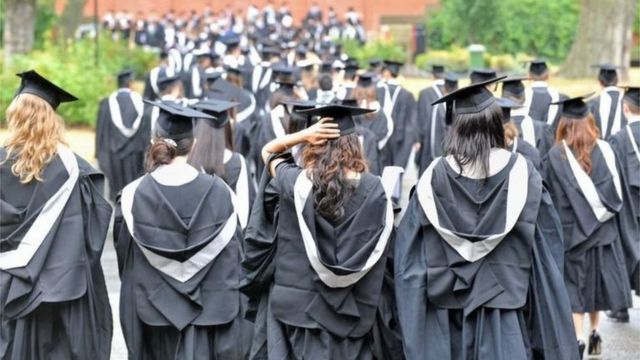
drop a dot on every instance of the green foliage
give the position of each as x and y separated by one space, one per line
74 69
544 28
376 49
457 60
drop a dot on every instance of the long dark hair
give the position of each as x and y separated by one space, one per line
163 150
472 136
208 153
328 165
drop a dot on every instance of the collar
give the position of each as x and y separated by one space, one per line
523 111
633 119
174 174
498 160
611 88
439 82
542 84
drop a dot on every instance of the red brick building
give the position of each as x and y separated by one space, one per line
374 12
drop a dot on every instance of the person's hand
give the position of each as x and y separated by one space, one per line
320 132
417 146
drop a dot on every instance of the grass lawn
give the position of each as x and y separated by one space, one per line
82 140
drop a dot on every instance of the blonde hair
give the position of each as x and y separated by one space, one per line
35 132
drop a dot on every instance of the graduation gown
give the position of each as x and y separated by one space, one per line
477 267
626 144
177 240
538 100
588 205
236 175
536 133
607 111
528 151
402 108
122 138
376 131
427 128
52 289
151 89
325 282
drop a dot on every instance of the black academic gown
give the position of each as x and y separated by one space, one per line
425 124
542 136
151 88
122 138
528 151
54 300
236 175
376 130
539 98
335 308
626 144
607 111
180 270
594 272
432 131
404 115
459 304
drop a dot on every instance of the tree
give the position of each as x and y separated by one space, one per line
604 36
71 17
19 28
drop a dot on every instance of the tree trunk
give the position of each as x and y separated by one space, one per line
603 36
19 28
71 17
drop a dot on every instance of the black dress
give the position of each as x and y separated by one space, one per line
478 267
122 138
325 294
626 145
176 235
52 289
589 206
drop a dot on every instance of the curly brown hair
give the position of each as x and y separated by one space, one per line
580 136
35 132
328 165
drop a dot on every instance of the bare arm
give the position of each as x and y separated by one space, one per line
317 134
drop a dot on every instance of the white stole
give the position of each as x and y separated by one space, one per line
116 115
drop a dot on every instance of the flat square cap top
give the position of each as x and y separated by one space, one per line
175 121
341 114
575 107
470 99
36 84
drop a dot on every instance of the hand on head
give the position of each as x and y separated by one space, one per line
320 132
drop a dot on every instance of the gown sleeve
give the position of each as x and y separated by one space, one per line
410 275
549 310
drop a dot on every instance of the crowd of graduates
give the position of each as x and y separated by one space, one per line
254 192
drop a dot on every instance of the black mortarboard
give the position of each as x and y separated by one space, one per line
176 121
482 75
632 95
164 54
283 70
607 73
268 52
374 63
451 81
342 115
167 78
393 66
513 86
230 40
574 108
437 69
234 69
537 67
507 104
301 51
468 100
125 75
350 101
326 67
35 84
366 79
293 107
212 75
217 109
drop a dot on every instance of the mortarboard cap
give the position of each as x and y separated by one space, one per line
574 108
451 81
217 109
437 69
230 40
167 78
513 86
393 66
374 63
607 73
632 95
482 75
341 114
537 67
468 100
234 69
507 104
176 121
366 79
326 67
212 75
35 84
125 75
268 52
